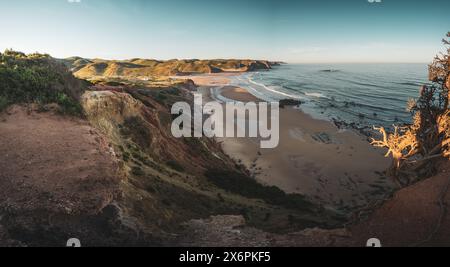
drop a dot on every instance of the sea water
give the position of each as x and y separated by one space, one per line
364 94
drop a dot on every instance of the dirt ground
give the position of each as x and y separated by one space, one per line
54 163
416 216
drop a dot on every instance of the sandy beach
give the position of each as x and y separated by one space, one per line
239 94
337 168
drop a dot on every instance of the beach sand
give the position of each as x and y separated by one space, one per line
237 93
337 168
221 79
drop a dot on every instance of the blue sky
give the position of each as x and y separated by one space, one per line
303 31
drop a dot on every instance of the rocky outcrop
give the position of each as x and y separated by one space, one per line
259 65
122 115
233 231
167 182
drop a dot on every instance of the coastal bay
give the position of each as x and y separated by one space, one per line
336 168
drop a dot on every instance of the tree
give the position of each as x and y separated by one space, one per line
415 147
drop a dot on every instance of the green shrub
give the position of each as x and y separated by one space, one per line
241 184
136 129
137 171
3 103
175 165
126 156
67 104
38 79
161 98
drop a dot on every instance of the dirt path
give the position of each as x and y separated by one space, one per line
53 163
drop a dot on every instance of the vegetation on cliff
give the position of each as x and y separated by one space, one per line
416 147
239 183
40 79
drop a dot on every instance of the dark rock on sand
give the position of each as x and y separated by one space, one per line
289 102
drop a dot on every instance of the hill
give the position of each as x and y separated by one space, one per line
134 68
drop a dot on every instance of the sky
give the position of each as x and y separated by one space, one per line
295 31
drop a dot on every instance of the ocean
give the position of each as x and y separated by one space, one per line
364 94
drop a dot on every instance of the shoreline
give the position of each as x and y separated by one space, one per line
337 169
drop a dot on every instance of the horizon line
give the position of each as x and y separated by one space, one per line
228 58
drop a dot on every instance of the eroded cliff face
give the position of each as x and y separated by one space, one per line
165 183
131 124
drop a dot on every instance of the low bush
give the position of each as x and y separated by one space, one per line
175 166
40 79
3 103
136 129
241 184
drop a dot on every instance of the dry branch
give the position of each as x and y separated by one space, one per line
428 138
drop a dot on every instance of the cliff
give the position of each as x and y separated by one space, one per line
114 175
